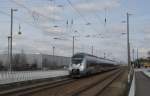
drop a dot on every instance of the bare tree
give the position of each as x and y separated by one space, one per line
16 61
34 64
148 53
23 58
1 66
44 62
20 61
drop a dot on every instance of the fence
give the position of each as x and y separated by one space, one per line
17 76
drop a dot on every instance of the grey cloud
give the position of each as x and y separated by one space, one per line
97 5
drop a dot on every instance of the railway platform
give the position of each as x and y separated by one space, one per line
141 83
16 79
7 77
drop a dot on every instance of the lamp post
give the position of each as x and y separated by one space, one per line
104 55
133 57
11 37
92 50
73 45
137 57
53 54
53 50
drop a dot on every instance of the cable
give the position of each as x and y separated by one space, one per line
77 11
33 15
18 19
29 10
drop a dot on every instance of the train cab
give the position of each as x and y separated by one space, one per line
77 65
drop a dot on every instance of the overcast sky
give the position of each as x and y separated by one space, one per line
97 23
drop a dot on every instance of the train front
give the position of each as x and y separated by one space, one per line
77 65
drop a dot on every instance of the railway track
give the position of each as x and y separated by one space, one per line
96 88
36 87
88 86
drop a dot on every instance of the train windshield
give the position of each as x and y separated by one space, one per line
76 60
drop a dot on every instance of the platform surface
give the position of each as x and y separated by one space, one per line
142 83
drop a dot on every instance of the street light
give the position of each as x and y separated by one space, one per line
11 37
73 40
73 44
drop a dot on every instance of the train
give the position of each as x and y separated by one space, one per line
83 64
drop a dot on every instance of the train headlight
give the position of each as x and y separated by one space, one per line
81 67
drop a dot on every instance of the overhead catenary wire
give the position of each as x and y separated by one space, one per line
84 19
22 21
35 15
31 12
79 13
96 14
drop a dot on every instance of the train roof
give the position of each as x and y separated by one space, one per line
81 55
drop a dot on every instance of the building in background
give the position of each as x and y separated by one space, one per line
35 61
54 62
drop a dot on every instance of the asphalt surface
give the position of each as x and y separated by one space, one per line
142 84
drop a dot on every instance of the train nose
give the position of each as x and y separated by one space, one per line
75 71
76 65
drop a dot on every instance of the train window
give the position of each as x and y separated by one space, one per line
76 60
78 56
91 63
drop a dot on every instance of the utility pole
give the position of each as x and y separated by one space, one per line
92 50
137 57
11 36
128 42
104 55
73 45
133 57
53 50
53 54
9 52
